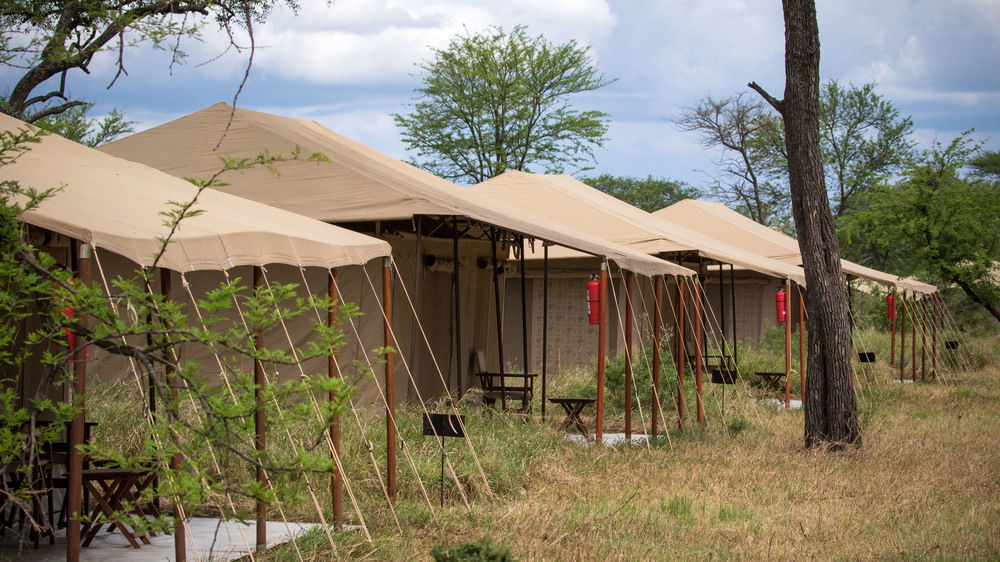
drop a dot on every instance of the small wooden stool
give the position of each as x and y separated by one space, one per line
573 408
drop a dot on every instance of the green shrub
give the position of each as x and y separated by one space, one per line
482 550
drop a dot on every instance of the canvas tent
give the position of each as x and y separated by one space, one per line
565 200
114 206
724 224
424 218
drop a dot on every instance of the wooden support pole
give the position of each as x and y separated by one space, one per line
892 331
601 351
934 338
913 337
259 418
657 322
902 336
628 356
680 352
333 371
923 338
802 345
499 315
524 309
788 348
74 493
545 326
180 543
696 296
390 384
455 277
418 270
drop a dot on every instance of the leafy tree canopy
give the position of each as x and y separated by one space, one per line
75 125
50 40
498 101
946 222
649 194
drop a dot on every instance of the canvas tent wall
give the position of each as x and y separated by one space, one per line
374 193
567 201
114 205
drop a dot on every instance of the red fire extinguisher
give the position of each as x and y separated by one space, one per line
593 301
890 302
779 306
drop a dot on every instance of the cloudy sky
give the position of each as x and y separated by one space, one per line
353 63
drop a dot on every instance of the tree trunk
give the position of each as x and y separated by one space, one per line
831 413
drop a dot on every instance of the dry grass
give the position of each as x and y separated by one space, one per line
924 485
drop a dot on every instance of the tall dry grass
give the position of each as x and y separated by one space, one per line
925 483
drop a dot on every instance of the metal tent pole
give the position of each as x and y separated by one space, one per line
333 372
259 417
390 385
628 356
601 352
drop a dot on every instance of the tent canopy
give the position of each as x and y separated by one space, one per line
115 204
721 222
568 201
359 183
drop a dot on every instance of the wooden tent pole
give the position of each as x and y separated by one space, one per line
902 337
732 310
545 326
601 352
657 321
459 375
923 338
628 356
496 301
333 371
892 331
418 269
260 423
680 352
934 339
390 385
913 337
524 310
180 546
696 295
74 494
788 349
802 345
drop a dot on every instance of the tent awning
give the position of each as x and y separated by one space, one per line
717 220
115 205
567 201
358 184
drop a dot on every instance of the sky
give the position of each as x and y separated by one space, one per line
349 65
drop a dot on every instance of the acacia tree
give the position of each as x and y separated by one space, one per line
50 40
743 130
831 412
649 194
947 223
497 101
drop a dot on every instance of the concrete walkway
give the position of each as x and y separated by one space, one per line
207 540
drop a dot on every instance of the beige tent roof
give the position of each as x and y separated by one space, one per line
568 201
114 204
911 284
360 183
723 223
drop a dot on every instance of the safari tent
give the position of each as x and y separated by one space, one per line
449 246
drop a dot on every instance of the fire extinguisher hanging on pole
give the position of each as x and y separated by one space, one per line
779 306
593 301
890 302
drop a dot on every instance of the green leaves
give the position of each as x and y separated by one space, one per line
497 101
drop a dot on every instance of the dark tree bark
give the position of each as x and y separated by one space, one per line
831 411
